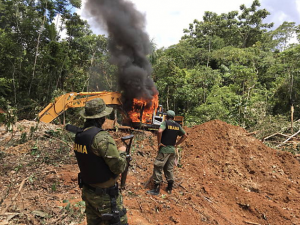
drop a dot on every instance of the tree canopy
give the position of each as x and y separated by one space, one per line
230 66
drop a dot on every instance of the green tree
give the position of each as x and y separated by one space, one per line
283 34
231 29
37 62
222 103
251 26
286 81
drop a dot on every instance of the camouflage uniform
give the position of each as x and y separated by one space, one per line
98 197
104 146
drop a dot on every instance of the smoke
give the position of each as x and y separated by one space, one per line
128 45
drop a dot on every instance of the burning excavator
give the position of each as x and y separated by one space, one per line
143 115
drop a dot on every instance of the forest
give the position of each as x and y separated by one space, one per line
233 77
232 67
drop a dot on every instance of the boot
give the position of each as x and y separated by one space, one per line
170 186
155 191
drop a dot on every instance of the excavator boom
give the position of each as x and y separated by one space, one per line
69 100
112 99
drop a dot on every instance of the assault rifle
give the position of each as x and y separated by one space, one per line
127 140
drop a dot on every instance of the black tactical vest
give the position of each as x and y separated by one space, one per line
170 134
93 168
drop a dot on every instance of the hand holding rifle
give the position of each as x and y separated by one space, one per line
127 140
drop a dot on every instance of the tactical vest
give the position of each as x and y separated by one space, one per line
170 134
93 168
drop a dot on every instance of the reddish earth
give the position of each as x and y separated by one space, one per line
225 176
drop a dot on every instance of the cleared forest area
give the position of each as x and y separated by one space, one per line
224 176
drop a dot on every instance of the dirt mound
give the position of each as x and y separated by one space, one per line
224 176
247 181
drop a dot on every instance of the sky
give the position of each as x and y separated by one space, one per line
166 19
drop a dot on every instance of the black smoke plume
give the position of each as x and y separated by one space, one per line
128 45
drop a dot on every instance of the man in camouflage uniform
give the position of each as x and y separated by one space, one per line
100 163
167 142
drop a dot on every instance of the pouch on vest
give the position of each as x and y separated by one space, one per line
80 182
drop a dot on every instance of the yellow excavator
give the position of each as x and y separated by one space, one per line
112 99
76 100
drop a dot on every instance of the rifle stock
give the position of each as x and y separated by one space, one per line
128 138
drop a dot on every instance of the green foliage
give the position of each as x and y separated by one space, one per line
54 186
228 66
18 167
270 125
5 88
286 81
56 133
283 34
75 211
236 29
195 88
76 3
222 103
35 61
9 117
23 137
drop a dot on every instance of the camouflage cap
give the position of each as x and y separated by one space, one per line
95 108
171 113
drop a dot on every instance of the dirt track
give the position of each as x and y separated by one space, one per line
225 176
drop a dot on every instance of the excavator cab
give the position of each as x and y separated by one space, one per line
158 117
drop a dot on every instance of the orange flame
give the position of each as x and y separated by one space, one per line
146 107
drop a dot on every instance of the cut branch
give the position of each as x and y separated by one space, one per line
16 195
288 138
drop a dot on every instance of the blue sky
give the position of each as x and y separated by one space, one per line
166 19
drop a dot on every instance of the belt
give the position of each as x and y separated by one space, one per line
112 191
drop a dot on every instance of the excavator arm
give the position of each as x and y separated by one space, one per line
76 100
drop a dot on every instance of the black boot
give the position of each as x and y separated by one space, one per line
170 186
155 191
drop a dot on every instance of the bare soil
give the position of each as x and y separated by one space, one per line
224 176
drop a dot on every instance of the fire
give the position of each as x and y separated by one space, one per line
142 110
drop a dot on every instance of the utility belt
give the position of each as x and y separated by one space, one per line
113 192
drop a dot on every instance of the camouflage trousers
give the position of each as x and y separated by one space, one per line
163 162
98 204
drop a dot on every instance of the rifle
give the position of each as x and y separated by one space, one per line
128 158
73 128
